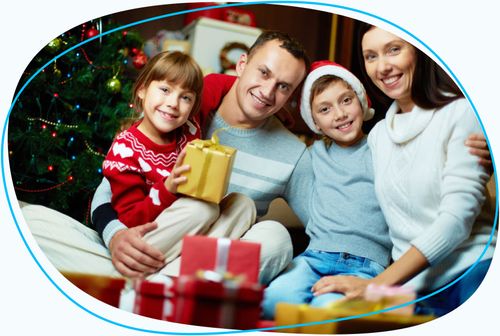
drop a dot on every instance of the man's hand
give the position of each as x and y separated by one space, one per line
175 178
479 147
351 286
132 256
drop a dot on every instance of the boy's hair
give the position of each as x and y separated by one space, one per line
324 82
331 71
320 85
294 47
174 67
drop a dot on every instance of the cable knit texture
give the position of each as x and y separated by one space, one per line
431 189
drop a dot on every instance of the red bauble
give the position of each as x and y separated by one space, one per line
139 60
134 51
92 32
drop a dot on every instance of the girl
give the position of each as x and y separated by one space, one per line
144 164
430 188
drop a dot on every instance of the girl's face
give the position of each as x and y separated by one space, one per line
338 114
166 106
390 64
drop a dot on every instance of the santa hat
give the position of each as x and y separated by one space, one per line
320 69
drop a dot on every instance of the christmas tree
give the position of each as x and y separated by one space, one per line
65 119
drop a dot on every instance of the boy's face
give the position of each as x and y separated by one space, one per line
266 81
338 114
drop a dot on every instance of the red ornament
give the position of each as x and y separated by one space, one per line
134 51
50 168
92 32
139 60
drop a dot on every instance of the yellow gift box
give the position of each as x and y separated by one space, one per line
344 314
211 164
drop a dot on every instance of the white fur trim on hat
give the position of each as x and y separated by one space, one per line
339 71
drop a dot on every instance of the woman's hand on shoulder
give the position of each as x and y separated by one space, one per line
479 147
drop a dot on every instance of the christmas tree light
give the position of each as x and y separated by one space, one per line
65 120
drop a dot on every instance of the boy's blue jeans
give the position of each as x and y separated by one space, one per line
294 285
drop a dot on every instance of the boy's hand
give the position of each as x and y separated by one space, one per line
132 256
479 147
351 286
175 178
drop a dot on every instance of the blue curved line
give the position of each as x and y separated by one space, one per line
215 7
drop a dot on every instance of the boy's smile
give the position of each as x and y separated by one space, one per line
338 114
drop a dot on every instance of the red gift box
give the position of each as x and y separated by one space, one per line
148 298
221 304
221 255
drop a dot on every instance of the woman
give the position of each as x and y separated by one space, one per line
430 188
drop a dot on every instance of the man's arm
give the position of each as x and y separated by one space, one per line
130 254
299 187
215 87
104 217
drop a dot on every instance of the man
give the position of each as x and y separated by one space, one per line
271 162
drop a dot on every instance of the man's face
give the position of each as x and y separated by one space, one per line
266 80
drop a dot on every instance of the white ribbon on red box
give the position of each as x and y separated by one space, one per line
222 255
131 302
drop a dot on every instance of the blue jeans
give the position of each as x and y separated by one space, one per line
294 285
453 296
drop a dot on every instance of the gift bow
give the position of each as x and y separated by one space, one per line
220 272
212 143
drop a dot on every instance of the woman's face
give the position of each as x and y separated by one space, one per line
390 64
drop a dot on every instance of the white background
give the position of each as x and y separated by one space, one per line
463 33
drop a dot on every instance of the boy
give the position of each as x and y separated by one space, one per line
347 230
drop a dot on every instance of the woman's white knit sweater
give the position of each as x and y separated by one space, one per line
431 189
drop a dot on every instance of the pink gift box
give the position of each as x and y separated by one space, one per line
390 296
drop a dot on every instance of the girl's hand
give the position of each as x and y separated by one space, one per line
175 178
351 286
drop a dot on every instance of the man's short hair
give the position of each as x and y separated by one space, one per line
294 47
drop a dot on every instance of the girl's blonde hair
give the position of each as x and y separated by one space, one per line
174 67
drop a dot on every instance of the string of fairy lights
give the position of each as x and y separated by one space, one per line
113 85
